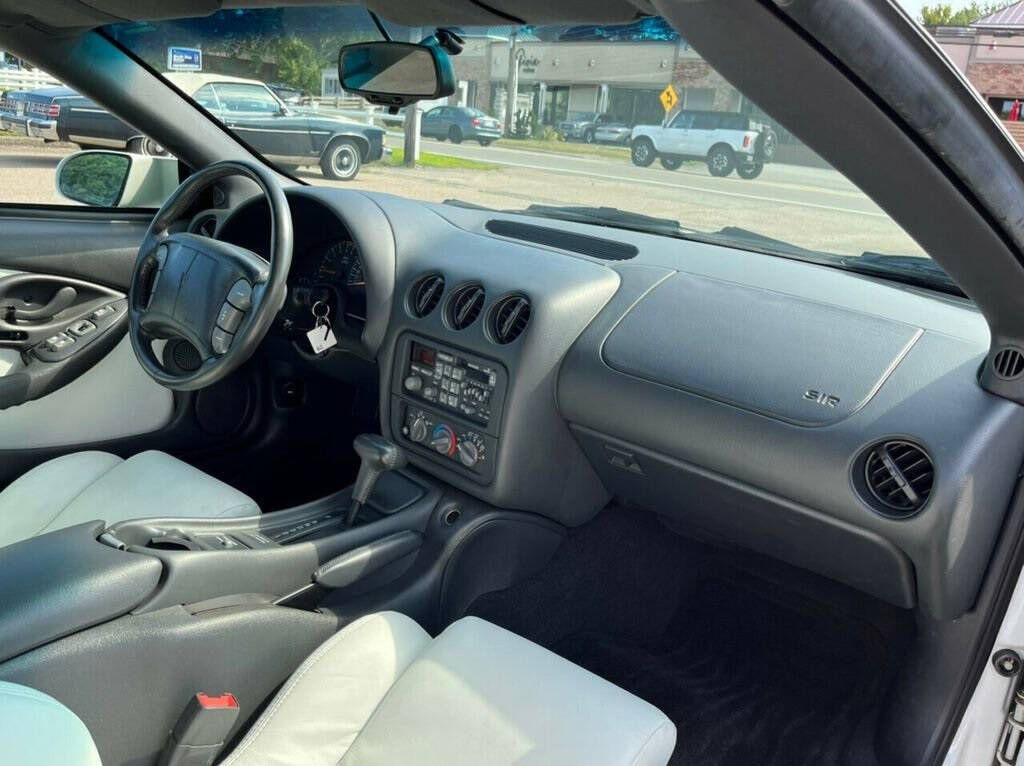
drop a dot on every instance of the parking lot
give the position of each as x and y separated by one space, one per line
828 212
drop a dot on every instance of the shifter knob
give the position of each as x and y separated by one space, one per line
380 453
377 455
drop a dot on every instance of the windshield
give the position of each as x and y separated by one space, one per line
695 152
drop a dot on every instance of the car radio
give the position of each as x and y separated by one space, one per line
452 381
447 405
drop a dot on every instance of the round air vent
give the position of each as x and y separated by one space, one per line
205 226
465 306
425 295
1008 363
898 477
509 318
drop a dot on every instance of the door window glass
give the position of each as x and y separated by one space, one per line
242 97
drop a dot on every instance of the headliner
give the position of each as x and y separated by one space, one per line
60 15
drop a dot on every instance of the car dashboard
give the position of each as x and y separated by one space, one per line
827 419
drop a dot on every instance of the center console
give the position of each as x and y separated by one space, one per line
447 405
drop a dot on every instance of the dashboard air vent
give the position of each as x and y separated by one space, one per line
465 306
510 318
426 294
899 476
205 226
1008 363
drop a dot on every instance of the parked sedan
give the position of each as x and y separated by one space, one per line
249 107
457 123
613 133
57 113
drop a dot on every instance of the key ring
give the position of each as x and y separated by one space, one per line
326 311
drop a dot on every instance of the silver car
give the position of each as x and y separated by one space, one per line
612 133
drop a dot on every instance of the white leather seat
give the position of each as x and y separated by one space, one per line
382 693
85 486
36 729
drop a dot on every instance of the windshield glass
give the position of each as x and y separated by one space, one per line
689 149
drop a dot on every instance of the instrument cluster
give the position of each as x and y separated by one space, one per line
327 279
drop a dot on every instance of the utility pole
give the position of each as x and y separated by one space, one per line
511 85
413 113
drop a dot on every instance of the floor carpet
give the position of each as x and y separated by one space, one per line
755 662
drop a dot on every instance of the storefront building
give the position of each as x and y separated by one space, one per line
990 53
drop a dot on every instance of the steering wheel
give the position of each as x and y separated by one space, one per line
219 297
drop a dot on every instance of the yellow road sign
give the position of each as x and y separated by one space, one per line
668 97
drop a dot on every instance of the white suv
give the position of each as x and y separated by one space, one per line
727 141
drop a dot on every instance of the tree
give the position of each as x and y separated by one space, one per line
298 64
943 15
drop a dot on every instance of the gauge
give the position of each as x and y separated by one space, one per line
340 264
356 278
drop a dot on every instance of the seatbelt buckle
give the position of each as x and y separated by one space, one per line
201 731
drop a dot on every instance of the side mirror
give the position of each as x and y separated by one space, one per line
117 179
396 74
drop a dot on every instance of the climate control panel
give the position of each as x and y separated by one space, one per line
446 405
468 447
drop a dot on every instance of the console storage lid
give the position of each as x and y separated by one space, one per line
64 581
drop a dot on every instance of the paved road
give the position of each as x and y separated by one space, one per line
813 188
811 207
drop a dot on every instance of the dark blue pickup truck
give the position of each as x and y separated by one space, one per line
249 108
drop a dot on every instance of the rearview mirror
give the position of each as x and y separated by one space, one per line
395 74
116 179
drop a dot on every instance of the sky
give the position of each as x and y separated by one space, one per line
913 7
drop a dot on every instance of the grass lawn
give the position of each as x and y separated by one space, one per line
565 147
428 160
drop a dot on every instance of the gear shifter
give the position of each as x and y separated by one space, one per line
378 455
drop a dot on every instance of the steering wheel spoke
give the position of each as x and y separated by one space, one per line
219 297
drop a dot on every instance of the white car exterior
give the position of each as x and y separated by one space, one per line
725 140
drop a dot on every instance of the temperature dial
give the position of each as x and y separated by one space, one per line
470 450
443 440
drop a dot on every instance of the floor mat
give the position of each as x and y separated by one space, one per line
747 679
753 670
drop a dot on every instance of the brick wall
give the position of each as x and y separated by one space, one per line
997 79
699 74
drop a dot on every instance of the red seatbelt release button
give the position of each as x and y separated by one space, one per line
201 731
208 701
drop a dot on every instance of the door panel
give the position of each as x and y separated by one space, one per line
99 397
112 399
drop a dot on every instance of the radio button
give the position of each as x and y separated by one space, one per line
413 383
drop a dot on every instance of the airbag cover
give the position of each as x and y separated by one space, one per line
790 359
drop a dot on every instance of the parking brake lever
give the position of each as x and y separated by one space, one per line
61 300
378 456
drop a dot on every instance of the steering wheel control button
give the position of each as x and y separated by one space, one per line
84 327
240 295
229 318
221 341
